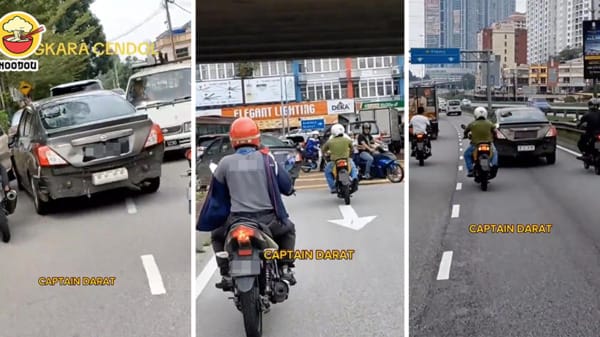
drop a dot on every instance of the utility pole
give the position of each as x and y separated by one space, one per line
593 18
170 29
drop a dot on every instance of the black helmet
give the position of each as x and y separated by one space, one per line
366 126
420 110
594 104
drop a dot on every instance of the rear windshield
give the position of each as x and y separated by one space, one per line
521 116
270 141
83 110
454 103
76 88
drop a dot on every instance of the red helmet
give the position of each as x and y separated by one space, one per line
244 131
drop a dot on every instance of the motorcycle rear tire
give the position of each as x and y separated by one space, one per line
346 194
4 228
484 184
252 312
421 162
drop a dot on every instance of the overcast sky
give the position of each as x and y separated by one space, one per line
120 16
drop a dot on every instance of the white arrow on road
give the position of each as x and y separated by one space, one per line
351 219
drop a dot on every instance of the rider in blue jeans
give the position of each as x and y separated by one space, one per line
366 147
482 131
340 147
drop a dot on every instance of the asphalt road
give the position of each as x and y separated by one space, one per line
103 236
503 284
359 298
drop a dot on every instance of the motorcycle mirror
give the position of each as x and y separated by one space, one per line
463 126
212 167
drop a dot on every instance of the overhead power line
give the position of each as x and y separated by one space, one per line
183 9
134 28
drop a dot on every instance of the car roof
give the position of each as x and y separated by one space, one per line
72 84
71 96
161 68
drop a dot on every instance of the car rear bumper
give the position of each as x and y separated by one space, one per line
510 148
179 141
67 182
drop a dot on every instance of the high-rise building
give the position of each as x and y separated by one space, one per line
555 25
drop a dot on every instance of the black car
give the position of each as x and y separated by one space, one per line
221 147
524 131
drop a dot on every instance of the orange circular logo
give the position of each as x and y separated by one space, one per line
21 35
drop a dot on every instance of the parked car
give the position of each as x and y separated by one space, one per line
221 147
524 131
454 107
79 144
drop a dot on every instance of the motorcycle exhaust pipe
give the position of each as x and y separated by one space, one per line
11 201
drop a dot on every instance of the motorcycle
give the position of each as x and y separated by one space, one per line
483 171
593 159
344 184
422 150
385 165
311 159
9 204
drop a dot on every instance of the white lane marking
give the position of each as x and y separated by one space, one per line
154 279
460 158
444 271
458 186
568 151
460 168
131 209
460 149
206 274
455 211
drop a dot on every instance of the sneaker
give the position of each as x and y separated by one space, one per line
226 284
470 174
333 191
288 275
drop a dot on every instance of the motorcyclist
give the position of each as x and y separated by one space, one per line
592 120
243 188
366 146
420 124
339 147
482 131
312 145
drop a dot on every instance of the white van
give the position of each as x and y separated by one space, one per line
164 92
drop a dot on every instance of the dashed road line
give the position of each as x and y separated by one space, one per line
444 271
460 157
458 186
568 151
154 279
202 280
455 211
460 168
131 209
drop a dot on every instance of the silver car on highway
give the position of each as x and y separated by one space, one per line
79 144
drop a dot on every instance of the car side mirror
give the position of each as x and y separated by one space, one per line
462 126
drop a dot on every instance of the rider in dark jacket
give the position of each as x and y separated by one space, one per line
592 120
248 185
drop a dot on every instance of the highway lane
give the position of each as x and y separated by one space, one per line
513 284
359 298
104 236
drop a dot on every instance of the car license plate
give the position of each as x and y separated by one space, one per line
110 176
172 143
244 267
525 148
597 145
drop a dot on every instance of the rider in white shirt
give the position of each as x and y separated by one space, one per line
420 124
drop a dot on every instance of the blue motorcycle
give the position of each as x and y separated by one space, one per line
385 165
311 157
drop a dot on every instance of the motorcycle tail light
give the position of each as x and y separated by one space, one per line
551 132
483 148
420 136
242 234
245 252
342 163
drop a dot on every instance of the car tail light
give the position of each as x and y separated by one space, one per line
598 137
242 234
155 136
47 157
551 132
500 135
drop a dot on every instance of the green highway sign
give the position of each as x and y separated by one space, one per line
381 105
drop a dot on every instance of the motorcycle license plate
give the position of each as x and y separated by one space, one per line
420 146
244 267
597 145
485 164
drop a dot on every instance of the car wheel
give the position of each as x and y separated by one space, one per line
41 207
150 185
551 158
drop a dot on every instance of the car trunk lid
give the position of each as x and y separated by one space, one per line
524 131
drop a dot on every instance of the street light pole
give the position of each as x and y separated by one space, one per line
170 29
281 99
488 56
593 18
516 72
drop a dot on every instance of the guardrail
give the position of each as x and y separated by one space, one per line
570 127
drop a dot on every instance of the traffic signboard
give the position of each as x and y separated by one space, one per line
434 55
381 105
313 124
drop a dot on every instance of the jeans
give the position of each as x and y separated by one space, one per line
469 157
368 158
331 179
283 234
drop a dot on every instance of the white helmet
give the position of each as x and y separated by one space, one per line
315 134
480 112
337 129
